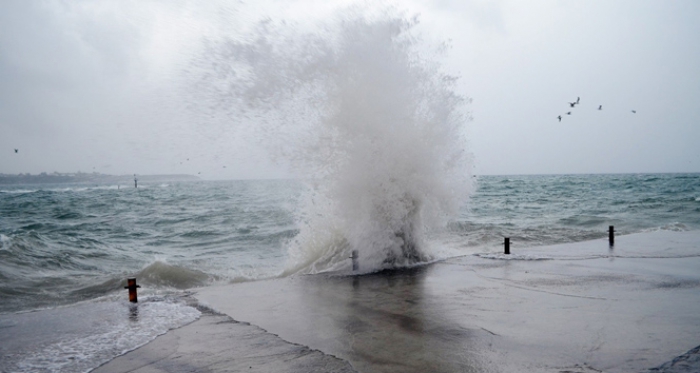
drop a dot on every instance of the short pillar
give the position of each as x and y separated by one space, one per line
507 246
131 285
355 265
611 235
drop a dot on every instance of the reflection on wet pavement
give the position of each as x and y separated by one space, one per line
577 311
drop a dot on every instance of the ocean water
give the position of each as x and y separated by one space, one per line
68 249
65 244
361 106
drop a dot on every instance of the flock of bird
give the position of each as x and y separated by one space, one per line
572 104
578 100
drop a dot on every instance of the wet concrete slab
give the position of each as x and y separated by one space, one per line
566 308
217 343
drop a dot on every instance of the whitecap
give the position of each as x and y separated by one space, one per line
5 242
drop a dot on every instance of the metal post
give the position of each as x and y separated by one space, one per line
355 265
131 285
507 244
611 235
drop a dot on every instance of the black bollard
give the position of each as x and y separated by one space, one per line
507 244
131 285
611 235
355 265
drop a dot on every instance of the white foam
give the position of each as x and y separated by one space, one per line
672 227
364 109
4 242
84 336
18 191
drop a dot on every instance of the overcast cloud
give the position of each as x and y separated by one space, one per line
97 85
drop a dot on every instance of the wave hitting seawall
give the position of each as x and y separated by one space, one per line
362 108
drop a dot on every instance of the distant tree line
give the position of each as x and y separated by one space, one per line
87 178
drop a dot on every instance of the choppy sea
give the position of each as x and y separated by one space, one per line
66 250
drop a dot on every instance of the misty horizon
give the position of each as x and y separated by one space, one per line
110 87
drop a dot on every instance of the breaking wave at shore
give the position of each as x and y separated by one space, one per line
362 108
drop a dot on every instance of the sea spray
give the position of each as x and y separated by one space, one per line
362 109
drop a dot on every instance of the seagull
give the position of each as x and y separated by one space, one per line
559 117
568 113
578 99
572 103
600 107
16 150
634 111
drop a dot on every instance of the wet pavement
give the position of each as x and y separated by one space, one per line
566 308
571 308
217 343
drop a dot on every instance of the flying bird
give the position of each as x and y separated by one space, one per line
573 103
559 117
16 150
568 113
634 111
578 99
600 107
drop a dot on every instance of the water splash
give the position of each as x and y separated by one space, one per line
363 110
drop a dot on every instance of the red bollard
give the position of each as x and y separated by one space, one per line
131 285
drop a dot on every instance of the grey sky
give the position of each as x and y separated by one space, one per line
95 85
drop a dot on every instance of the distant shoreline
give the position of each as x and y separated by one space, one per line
88 178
